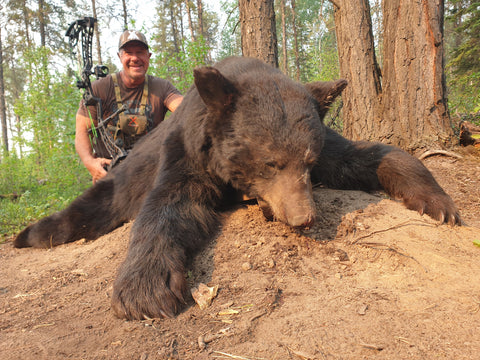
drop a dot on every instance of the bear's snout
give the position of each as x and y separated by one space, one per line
290 200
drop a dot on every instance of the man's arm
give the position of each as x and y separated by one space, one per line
95 166
173 102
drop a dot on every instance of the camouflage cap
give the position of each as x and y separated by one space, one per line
132 35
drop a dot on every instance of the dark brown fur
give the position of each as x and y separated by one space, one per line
243 126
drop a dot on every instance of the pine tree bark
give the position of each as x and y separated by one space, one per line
41 21
97 33
189 17
405 105
258 31
358 65
125 15
295 41
3 109
414 100
284 38
200 18
176 41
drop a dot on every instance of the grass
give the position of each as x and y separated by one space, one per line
29 192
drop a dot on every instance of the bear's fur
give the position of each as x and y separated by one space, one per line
243 126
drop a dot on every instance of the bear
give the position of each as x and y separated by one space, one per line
243 127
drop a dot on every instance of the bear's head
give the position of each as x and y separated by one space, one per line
266 133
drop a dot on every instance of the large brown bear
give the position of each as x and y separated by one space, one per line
243 126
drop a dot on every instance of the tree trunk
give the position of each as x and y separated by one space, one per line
408 108
295 40
258 31
284 38
189 17
97 33
358 65
26 23
3 109
41 20
200 18
414 87
125 15
173 20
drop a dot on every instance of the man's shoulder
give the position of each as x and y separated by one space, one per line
161 85
155 79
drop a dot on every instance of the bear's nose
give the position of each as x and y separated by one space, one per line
302 221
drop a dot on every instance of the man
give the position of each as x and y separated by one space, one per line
147 99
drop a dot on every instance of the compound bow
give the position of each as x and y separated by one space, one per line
85 27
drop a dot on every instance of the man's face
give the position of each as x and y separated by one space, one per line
135 59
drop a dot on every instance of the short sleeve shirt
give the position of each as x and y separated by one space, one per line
159 92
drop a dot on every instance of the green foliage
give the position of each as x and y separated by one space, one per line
47 106
318 58
178 68
323 64
47 174
463 68
230 42
464 96
30 192
466 55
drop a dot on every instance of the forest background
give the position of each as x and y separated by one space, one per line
39 170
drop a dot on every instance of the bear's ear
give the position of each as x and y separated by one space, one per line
326 92
216 91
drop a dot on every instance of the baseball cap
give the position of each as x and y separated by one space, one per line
132 35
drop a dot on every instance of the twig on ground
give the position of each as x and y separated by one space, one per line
394 227
380 246
439 152
372 347
230 356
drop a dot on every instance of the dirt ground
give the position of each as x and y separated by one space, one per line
371 280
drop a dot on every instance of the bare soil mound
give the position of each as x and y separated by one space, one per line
369 280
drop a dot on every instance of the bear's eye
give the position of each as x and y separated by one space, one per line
275 165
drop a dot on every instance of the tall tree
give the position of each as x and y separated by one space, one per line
3 109
464 57
41 20
284 38
189 17
125 15
201 31
175 30
406 104
259 36
414 87
230 37
295 40
97 32
358 65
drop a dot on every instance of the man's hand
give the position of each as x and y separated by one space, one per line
96 167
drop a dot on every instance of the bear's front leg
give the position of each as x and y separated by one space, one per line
404 177
361 165
151 281
89 216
